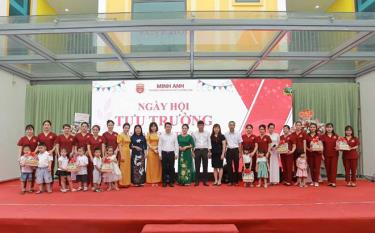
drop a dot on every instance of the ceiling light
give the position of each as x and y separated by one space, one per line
66 9
317 7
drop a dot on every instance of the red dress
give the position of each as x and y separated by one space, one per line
350 159
287 159
331 156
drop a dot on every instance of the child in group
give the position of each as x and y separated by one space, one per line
26 171
82 162
97 161
43 172
111 178
262 168
247 174
301 170
62 172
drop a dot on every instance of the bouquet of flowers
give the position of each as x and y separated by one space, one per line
31 160
342 144
282 148
106 166
316 145
72 165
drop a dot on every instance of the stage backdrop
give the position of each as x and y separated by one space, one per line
253 101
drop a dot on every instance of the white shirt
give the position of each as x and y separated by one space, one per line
202 140
82 162
97 161
44 159
24 169
233 139
64 163
168 142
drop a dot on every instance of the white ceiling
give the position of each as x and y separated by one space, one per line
308 6
74 6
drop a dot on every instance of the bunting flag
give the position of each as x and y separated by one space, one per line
112 86
214 87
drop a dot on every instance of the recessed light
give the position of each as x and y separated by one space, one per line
66 9
317 7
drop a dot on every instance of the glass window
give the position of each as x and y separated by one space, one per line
151 41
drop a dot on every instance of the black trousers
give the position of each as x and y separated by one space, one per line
233 158
201 156
167 161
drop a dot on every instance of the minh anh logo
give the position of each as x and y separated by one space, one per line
140 88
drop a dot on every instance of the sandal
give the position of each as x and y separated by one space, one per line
38 192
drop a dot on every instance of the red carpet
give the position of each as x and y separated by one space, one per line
276 209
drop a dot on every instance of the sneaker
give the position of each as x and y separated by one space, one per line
85 189
73 190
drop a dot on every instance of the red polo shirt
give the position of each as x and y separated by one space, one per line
290 139
48 139
329 144
351 154
31 142
248 142
300 137
65 142
81 140
110 139
263 143
95 143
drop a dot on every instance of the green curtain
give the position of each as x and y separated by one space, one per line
57 103
336 103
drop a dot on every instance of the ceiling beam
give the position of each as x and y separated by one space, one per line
42 51
15 71
110 43
343 48
267 51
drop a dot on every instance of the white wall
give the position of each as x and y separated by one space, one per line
367 95
12 121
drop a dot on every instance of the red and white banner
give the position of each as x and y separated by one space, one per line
255 101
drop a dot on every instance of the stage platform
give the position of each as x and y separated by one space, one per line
253 210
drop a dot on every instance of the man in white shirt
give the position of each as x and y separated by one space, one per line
202 151
168 152
234 150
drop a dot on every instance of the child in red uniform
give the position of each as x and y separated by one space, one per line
330 154
350 157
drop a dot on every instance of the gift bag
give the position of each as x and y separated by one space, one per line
342 144
248 176
31 160
316 145
282 148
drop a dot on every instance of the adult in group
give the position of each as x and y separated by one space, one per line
65 141
300 136
186 173
168 151
48 138
202 152
264 141
234 151
123 140
350 157
81 139
110 138
138 146
314 158
94 142
218 145
330 154
274 155
153 167
287 158
250 143
30 140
